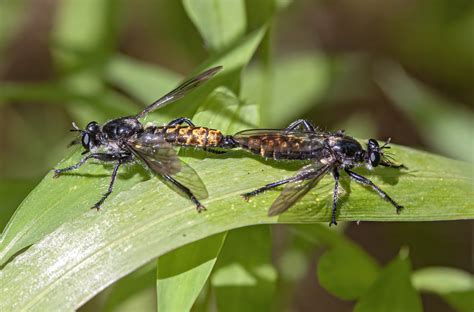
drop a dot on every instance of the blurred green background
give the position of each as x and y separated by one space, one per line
399 69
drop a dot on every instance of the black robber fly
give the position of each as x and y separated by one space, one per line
328 152
125 140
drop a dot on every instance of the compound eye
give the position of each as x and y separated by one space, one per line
92 126
374 159
373 144
86 140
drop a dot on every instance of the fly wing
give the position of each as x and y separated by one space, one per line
180 91
162 159
309 176
273 132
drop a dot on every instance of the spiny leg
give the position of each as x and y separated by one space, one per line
335 174
111 186
267 187
181 120
392 165
364 181
305 124
99 156
199 206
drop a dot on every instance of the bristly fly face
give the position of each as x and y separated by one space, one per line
123 140
328 152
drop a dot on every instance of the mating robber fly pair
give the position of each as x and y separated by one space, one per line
125 140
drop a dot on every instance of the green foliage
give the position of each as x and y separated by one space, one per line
55 253
392 291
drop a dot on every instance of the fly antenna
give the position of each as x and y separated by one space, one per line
75 128
386 143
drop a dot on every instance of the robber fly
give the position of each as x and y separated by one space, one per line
125 140
327 151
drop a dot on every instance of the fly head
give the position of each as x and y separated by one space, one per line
90 136
375 152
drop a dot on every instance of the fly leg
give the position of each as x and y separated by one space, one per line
185 190
335 174
181 120
111 186
364 181
99 156
301 123
267 187
391 165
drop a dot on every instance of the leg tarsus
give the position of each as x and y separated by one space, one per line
267 187
391 165
364 181
335 174
199 207
111 186
181 120
304 124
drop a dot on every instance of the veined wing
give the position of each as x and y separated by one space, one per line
274 132
162 159
180 91
306 179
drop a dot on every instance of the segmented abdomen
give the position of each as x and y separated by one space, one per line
279 146
189 136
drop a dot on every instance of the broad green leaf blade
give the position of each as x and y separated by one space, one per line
244 278
220 23
392 292
183 272
143 219
347 279
296 85
42 221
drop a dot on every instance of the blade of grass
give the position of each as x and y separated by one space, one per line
244 278
183 272
392 291
143 219
220 23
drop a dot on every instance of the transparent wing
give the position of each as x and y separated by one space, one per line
309 176
162 159
180 91
273 132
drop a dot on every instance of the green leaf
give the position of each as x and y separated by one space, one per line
143 219
12 193
347 279
296 84
220 23
244 278
183 272
442 280
454 285
392 292
134 291
461 300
